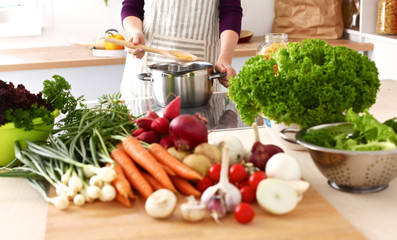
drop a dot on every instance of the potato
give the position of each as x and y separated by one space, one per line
210 151
199 163
180 155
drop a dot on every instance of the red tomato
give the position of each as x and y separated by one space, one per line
237 173
244 213
242 184
215 172
248 194
204 183
255 178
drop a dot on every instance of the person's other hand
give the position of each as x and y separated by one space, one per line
225 67
136 38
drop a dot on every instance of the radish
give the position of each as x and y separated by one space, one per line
173 109
149 137
276 196
166 142
137 131
160 125
144 122
151 114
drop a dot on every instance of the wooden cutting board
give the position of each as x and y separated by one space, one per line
314 218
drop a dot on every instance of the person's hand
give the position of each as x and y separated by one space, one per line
136 38
225 67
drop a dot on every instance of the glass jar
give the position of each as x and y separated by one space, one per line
271 42
387 17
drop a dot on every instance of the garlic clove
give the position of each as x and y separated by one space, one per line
193 210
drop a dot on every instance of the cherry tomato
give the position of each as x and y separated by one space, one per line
204 183
244 213
237 173
215 172
255 178
248 194
242 184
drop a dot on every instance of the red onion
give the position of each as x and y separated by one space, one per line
187 131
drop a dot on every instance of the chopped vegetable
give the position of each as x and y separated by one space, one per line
315 83
276 196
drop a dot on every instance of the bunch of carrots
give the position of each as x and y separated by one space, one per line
146 168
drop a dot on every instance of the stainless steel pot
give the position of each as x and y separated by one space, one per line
191 81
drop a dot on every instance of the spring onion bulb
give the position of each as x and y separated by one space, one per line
106 174
96 181
60 202
108 193
75 183
93 192
79 199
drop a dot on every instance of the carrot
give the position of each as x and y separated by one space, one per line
132 173
120 183
123 199
164 157
185 187
142 157
152 181
168 170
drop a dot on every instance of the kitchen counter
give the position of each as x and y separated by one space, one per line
77 56
24 212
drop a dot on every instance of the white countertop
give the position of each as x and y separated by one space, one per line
24 212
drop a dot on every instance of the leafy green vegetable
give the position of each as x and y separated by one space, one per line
367 134
307 83
25 107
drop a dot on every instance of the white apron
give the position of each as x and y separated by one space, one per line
188 25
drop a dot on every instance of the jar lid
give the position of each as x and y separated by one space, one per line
276 37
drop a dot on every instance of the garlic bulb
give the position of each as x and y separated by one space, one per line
229 193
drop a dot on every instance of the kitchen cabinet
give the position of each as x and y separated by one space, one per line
384 53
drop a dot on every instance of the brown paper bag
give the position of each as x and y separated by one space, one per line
308 18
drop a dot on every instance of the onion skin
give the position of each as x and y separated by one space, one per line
187 131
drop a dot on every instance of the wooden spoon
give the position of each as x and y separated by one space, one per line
180 56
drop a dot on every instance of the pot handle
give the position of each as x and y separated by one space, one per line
285 131
144 77
217 75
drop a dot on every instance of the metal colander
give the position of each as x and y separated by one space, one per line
351 171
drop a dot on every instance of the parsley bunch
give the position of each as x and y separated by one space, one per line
307 83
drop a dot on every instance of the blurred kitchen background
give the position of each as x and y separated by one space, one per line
49 23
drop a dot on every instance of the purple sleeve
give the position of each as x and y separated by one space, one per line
230 15
132 8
